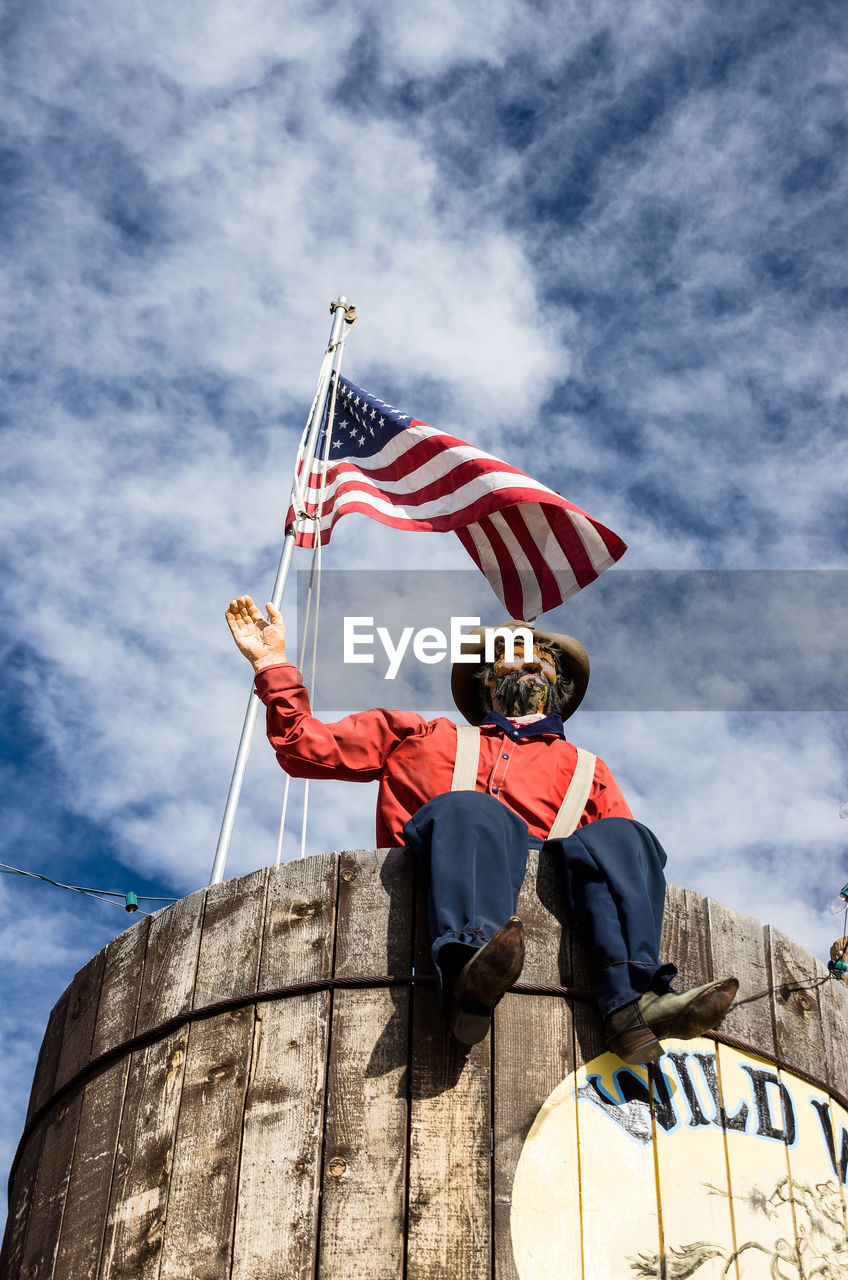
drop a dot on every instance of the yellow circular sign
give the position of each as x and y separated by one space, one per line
710 1164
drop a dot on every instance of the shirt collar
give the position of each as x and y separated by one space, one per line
549 724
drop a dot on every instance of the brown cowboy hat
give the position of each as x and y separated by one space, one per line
466 688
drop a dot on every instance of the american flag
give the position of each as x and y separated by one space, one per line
535 548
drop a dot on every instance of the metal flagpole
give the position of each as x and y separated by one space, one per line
340 310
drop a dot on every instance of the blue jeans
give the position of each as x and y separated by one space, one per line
473 852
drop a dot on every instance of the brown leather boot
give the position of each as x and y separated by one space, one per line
634 1031
488 974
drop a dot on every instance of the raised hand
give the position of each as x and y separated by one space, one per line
261 640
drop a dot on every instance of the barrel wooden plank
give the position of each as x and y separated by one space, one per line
812 1187
834 1003
170 962
91 1173
21 1194
737 949
79 1024
449 1178
364 1178
231 943
136 1215
755 1169
202 1191
688 1074
839 1129
51 1188
684 937
449 1231
57 1156
685 944
300 913
533 1046
587 1030
201 1210
281 1150
138 1199
44 1080
22 1191
795 982
283 1119
636 1171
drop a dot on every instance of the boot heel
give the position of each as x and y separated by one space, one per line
467 1026
635 1045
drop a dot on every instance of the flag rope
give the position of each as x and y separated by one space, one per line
316 573
326 440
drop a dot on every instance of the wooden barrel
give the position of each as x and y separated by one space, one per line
233 1088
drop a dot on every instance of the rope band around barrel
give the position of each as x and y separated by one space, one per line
365 981
180 1020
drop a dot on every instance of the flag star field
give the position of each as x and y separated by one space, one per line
597 258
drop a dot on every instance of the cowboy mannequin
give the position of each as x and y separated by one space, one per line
470 802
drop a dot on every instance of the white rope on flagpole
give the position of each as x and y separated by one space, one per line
283 812
314 584
341 313
328 441
314 578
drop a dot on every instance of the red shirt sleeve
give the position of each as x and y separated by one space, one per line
354 749
605 798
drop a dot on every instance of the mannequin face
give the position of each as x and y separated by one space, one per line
525 685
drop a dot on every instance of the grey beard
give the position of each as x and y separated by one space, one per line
516 697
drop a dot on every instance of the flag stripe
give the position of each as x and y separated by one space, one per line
431 483
508 572
527 582
394 516
486 559
520 522
432 453
478 497
592 545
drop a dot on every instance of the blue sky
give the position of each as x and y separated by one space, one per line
605 242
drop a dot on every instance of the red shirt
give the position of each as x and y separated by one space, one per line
413 759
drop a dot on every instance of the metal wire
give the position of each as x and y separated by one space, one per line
101 895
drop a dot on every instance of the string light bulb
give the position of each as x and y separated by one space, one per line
840 903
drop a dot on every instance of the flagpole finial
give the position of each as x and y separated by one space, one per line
349 309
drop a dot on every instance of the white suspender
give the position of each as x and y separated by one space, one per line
576 793
467 758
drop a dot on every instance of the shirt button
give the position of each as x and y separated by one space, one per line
496 790
504 756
